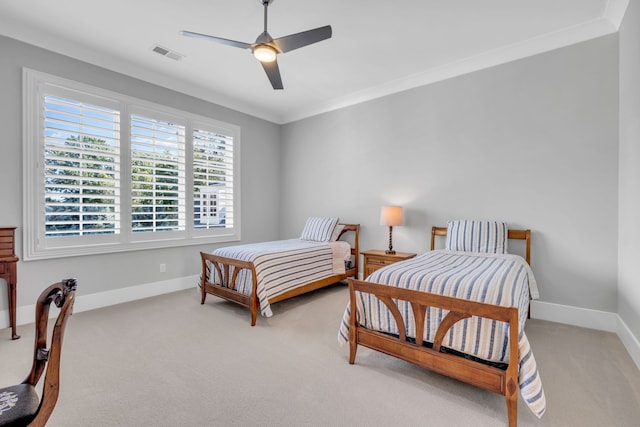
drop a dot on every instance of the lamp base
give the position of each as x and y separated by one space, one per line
390 251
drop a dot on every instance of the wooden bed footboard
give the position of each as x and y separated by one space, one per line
504 382
228 270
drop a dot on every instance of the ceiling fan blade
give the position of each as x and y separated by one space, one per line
273 72
295 41
228 42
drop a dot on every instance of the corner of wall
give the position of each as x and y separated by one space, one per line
615 10
630 341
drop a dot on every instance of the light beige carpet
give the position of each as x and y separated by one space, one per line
169 361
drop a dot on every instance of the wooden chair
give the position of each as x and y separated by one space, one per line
20 404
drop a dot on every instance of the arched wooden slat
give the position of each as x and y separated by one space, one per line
449 320
234 276
393 308
419 313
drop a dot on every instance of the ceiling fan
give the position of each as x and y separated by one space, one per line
266 48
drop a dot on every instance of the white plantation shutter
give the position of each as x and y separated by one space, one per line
212 179
81 168
157 175
105 172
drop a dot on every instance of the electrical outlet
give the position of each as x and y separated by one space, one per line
163 268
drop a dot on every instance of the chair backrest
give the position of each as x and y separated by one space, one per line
62 294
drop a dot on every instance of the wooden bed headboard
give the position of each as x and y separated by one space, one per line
511 234
355 250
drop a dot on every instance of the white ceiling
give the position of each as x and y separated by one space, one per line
378 47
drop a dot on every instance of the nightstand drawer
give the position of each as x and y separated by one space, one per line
379 261
375 259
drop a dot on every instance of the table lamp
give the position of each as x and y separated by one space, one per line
391 215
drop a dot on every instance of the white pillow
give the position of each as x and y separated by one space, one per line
477 236
319 229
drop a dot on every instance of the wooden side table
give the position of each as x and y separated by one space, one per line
375 259
8 271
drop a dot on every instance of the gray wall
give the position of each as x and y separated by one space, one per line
532 142
629 273
260 144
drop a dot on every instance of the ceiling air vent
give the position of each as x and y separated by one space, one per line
168 53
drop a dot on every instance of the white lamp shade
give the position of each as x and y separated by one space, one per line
391 215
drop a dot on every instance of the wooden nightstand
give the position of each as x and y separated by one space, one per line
375 259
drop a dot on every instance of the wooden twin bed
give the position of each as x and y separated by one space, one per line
247 282
389 315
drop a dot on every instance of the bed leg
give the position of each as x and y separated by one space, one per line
512 410
353 344
203 278
203 292
352 352
353 321
254 315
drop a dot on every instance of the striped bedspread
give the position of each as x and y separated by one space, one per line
283 265
499 279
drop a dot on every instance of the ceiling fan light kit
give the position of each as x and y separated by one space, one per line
265 53
266 48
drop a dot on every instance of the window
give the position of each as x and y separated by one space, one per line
105 172
212 179
157 175
81 168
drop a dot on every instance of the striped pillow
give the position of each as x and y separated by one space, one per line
477 236
319 229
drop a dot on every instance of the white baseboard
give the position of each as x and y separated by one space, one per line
630 342
26 314
593 319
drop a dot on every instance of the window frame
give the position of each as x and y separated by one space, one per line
36 246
